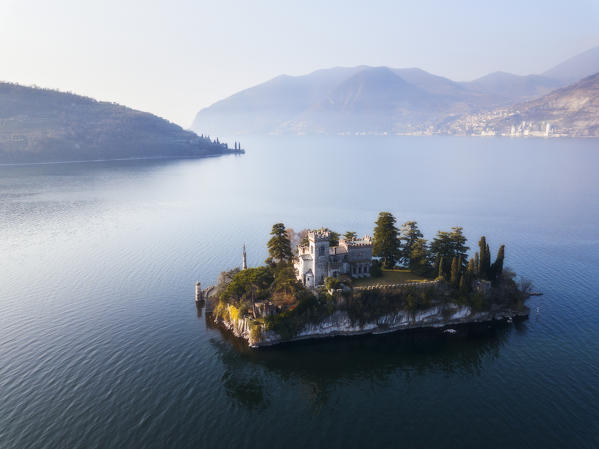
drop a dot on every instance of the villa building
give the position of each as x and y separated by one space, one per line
318 260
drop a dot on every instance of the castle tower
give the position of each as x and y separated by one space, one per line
244 263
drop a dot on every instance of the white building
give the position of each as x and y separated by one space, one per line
319 260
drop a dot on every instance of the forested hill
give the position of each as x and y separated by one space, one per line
41 125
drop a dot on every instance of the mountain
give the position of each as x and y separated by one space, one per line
507 88
571 111
367 99
363 99
41 125
577 67
340 100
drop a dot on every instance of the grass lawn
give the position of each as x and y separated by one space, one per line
390 277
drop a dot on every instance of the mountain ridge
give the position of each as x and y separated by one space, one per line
411 102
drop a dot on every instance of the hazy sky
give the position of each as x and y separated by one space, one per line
174 57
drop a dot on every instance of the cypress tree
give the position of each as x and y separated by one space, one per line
470 269
455 271
497 267
485 258
441 272
476 265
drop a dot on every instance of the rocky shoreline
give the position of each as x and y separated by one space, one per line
339 323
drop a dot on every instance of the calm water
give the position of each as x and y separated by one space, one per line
101 345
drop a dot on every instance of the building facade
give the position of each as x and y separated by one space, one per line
318 260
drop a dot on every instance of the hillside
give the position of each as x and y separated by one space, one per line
41 125
571 111
577 67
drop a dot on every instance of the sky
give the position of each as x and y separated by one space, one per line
173 58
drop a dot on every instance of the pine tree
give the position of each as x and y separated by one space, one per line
279 246
409 234
419 258
386 241
458 243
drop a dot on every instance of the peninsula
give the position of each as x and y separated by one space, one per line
43 125
318 283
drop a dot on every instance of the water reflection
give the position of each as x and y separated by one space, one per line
319 367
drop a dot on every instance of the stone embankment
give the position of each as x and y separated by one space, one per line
417 284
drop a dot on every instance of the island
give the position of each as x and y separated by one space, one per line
318 283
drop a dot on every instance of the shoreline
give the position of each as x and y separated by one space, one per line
343 328
123 159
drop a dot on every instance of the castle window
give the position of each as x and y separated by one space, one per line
321 250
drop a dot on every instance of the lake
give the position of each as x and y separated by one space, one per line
101 344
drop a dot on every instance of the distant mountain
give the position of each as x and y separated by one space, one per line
577 67
571 111
367 99
339 100
507 87
41 125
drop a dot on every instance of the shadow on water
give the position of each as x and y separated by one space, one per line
319 366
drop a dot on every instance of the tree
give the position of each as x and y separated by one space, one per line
456 268
497 267
350 235
386 242
441 265
279 247
375 269
458 243
303 238
449 245
441 246
419 257
485 258
409 234
333 238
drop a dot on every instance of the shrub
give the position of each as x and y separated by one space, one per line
376 270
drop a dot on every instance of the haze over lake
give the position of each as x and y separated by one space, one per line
101 344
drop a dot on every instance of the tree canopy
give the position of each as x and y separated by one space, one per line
279 246
408 236
386 244
350 235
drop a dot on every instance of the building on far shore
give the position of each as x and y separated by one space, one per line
318 260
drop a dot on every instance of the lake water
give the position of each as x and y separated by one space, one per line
101 345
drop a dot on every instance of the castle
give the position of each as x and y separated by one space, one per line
318 260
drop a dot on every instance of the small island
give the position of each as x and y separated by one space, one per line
318 283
